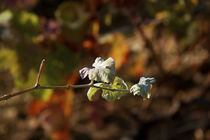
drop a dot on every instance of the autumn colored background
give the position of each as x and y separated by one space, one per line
165 39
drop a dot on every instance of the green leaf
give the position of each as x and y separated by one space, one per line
92 91
119 83
115 95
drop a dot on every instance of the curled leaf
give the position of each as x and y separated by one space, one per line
143 88
103 71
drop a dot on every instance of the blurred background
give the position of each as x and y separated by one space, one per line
165 39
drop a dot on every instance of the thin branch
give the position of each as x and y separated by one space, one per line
8 96
38 86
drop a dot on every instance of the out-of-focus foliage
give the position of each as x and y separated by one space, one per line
73 19
165 39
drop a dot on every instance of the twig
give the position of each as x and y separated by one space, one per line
40 70
38 86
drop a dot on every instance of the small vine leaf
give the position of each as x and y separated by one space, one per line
119 83
112 95
143 88
115 95
92 91
108 95
103 71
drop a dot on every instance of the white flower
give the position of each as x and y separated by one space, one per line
103 71
143 88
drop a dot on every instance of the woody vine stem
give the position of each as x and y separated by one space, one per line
38 86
